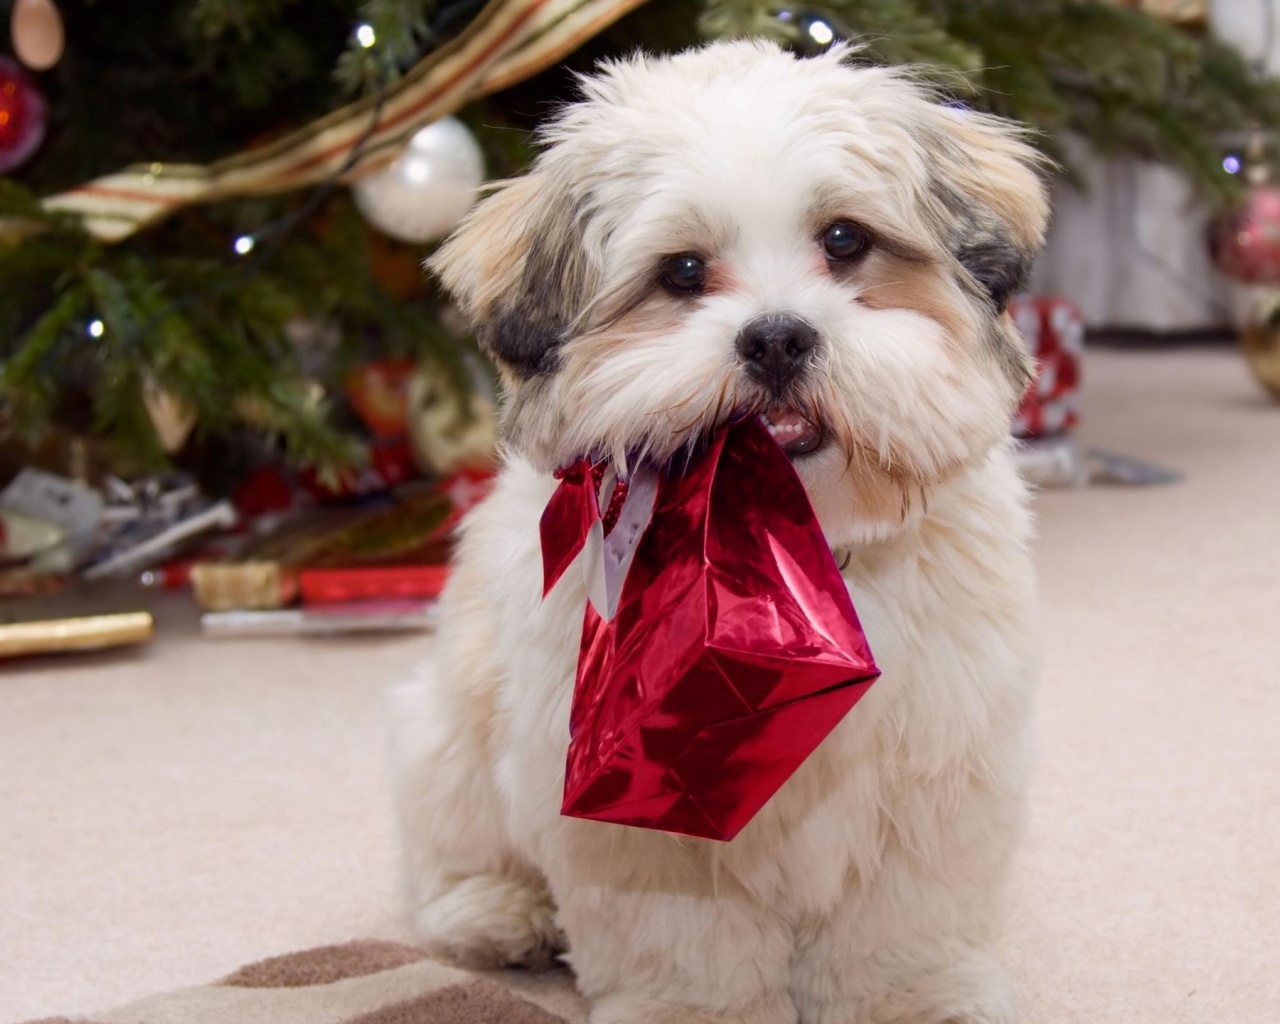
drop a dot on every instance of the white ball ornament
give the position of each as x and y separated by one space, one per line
426 191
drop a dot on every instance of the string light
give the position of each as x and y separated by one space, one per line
273 234
97 328
820 32
1231 164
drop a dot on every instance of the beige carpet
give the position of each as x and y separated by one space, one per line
170 815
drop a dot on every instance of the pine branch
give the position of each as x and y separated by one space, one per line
401 30
891 31
29 376
303 424
900 32
217 18
198 79
1127 82
737 19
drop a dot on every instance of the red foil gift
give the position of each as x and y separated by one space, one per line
1053 331
730 648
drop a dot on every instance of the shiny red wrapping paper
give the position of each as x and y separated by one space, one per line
734 651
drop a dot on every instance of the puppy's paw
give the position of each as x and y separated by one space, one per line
973 991
488 921
629 1008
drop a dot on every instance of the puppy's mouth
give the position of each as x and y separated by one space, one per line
795 433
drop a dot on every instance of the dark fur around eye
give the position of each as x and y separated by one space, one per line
528 328
999 267
684 274
984 248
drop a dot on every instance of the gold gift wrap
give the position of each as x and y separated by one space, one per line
90 633
232 586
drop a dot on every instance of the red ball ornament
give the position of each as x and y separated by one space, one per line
1245 241
23 116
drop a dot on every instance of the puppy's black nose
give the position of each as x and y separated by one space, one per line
775 348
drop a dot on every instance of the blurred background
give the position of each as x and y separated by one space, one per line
237 421
214 213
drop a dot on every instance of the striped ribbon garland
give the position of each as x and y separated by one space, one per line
509 40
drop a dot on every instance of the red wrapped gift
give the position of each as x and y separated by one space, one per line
733 649
371 583
1053 331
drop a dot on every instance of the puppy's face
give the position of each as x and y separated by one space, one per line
734 230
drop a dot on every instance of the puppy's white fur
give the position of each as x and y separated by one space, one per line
867 891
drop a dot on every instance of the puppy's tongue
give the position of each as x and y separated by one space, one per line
794 434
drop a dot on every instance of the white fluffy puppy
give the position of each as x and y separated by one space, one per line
735 229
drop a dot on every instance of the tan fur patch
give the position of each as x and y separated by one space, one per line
987 160
890 282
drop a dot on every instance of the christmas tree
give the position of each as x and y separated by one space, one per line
228 280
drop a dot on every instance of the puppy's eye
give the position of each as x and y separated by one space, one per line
686 274
845 241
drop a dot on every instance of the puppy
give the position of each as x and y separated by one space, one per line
724 231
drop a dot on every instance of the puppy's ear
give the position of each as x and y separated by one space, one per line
518 268
990 198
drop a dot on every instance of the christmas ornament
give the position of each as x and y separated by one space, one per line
23 116
1181 12
425 192
449 430
379 393
1245 241
733 648
1262 343
508 42
37 33
172 418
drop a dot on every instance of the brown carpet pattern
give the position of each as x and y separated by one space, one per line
367 982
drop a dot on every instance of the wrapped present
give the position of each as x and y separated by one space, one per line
149 519
389 465
92 633
24 538
1053 331
398 550
720 645
341 586
232 586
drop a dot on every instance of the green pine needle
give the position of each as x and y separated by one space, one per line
198 79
